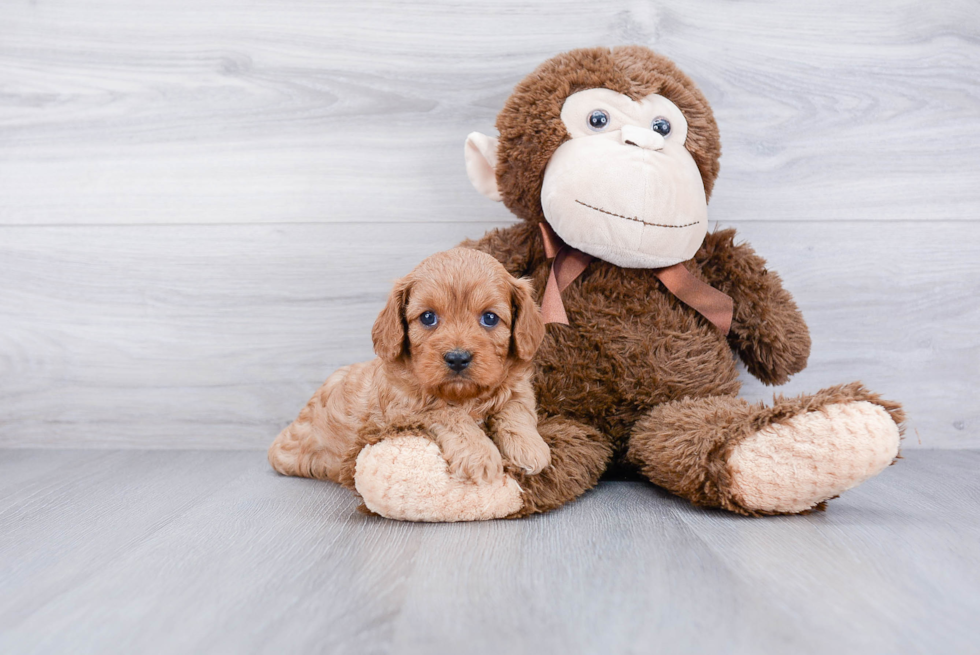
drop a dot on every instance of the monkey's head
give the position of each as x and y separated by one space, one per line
616 149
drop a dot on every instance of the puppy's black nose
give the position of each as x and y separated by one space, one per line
457 360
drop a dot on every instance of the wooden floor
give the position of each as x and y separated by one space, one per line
211 552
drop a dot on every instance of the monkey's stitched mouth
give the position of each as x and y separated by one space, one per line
633 218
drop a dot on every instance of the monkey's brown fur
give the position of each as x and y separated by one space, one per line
638 380
655 378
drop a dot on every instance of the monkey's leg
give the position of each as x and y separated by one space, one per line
579 456
752 459
403 475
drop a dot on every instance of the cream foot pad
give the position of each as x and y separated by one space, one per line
406 478
812 457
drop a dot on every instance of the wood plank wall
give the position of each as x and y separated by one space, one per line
203 202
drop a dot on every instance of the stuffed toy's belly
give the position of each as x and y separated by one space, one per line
629 346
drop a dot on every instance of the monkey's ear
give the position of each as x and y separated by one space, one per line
527 330
389 334
481 164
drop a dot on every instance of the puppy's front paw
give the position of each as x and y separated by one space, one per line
526 451
479 461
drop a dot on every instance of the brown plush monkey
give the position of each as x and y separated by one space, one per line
615 153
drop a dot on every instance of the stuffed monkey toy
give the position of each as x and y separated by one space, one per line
608 157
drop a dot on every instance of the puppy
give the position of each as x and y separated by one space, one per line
454 345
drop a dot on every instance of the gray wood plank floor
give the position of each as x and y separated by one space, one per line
180 551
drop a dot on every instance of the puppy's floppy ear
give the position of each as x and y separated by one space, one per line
390 331
527 328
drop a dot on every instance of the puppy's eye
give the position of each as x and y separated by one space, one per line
660 125
489 319
598 120
428 319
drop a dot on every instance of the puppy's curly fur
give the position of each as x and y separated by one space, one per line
411 381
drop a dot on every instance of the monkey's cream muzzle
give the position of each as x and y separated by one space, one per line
625 193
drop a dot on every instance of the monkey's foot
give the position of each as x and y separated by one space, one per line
406 478
794 465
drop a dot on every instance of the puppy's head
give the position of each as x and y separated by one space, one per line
460 322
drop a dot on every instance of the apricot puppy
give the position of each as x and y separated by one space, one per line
454 345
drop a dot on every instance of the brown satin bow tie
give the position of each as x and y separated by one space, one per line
569 263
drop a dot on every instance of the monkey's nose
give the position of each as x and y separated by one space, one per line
642 137
457 360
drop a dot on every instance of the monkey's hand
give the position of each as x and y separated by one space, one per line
768 331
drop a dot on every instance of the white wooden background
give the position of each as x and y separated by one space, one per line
203 202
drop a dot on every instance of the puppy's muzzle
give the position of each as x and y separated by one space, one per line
457 360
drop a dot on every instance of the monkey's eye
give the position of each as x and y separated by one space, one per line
489 319
598 120
661 126
428 319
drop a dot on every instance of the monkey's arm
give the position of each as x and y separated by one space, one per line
518 247
768 331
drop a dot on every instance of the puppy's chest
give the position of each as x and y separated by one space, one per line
401 412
